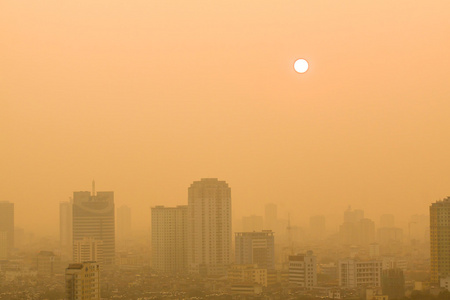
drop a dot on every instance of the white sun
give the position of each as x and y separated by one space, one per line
301 65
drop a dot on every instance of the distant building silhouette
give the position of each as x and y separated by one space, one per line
47 263
209 227
440 239
169 239
6 228
83 281
65 229
393 283
255 248
93 216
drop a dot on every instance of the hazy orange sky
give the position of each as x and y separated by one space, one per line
148 96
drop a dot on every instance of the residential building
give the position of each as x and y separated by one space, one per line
169 239
209 227
83 281
247 274
355 273
440 240
303 270
88 249
255 248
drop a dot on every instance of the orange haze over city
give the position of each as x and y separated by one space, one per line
145 97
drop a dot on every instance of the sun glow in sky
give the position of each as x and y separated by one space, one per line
148 96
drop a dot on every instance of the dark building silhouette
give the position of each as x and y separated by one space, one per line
393 283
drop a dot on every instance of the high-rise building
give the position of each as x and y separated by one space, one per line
255 248
7 225
440 239
209 227
355 273
65 229
83 281
88 249
93 216
393 283
123 223
303 269
169 239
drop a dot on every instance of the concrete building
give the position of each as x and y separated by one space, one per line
7 225
47 263
83 281
393 283
3 245
88 249
209 227
355 273
255 248
247 274
440 240
303 270
93 217
169 239
65 229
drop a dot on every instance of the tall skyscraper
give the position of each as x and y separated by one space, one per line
209 227
255 248
83 281
93 216
65 229
123 223
6 226
169 239
440 239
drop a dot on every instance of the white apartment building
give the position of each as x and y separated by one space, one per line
83 281
354 273
209 227
303 269
169 243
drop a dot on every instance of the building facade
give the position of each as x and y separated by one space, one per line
255 248
169 239
65 229
83 281
440 240
355 273
88 249
303 270
93 217
209 227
